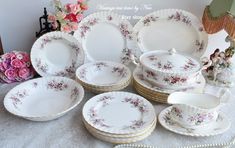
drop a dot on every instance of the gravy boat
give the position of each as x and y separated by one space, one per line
196 109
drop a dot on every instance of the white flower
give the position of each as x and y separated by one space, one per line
19 56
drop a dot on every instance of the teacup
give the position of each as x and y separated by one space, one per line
194 109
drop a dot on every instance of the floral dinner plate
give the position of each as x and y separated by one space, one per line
106 36
57 54
119 113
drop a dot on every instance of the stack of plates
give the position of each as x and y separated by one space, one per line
151 92
103 76
119 117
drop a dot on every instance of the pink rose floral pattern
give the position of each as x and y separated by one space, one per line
151 74
149 19
125 31
86 27
57 86
95 119
167 66
139 104
175 80
105 100
126 56
199 118
49 39
18 96
121 71
177 112
100 65
41 66
179 16
189 65
74 93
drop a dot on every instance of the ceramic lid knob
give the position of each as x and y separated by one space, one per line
172 51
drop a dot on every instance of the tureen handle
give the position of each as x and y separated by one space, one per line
172 51
224 95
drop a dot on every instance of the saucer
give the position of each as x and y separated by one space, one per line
221 125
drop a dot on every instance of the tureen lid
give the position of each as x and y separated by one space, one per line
170 61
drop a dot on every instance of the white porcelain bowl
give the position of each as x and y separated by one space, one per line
169 69
103 74
44 99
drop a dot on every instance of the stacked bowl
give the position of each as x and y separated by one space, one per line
103 76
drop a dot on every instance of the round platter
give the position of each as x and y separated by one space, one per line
171 28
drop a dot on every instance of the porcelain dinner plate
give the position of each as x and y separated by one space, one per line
106 36
119 140
57 54
171 28
44 98
120 135
139 78
119 113
103 73
221 125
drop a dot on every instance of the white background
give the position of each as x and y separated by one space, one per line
19 18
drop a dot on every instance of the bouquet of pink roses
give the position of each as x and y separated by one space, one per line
68 15
15 66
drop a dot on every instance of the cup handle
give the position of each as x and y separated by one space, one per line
135 60
224 95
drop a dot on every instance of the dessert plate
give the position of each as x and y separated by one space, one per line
103 73
57 54
139 78
221 125
107 112
171 28
106 36
44 99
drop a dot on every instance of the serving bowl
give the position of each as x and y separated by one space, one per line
169 69
44 99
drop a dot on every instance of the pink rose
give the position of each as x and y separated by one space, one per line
84 7
51 18
74 26
24 73
26 57
2 67
79 17
11 74
66 28
6 63
8 55
17 63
